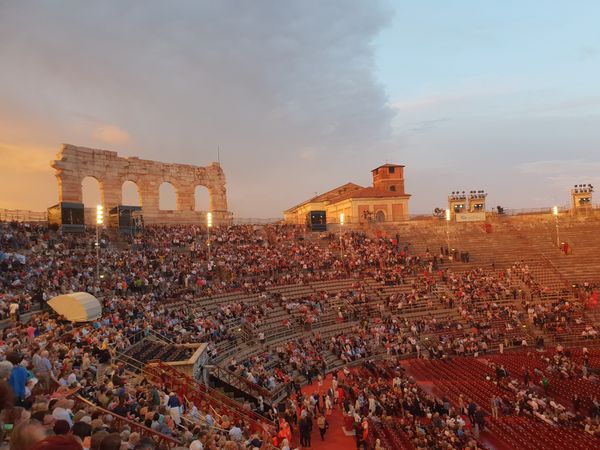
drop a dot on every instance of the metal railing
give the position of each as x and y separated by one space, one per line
22 215
119 421
241 383
197 392
256 221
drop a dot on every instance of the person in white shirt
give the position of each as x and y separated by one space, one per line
13 310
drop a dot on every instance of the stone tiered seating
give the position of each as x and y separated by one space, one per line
532 240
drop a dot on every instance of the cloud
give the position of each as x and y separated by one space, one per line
111 134
20 159
558 166
563 173
308 154
457 94
264 80
588 52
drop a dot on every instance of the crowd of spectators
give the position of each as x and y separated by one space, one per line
157 282
384 394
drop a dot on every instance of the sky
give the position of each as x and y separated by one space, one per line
302 96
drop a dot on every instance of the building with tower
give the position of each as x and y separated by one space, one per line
384 201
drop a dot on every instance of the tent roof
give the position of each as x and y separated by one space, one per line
77 307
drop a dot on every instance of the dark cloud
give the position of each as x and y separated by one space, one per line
286 89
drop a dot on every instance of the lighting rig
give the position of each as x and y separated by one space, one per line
581 197
477 201
457 202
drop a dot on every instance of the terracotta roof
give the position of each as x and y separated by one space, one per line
387 165
327 196
369 192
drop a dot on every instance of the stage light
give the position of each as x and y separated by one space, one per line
209 222
99 215
99 221
448 215
341 218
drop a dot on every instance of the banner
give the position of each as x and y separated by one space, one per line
471 217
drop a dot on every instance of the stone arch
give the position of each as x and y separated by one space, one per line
91 192
380 216
131 194
73 163
201 198
167 197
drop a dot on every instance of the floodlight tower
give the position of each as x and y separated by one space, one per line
581 198
477 201
341 241
209 224
448 217
99 222
457 203
555 214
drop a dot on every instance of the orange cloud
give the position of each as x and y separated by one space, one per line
111 134
22 159
28 181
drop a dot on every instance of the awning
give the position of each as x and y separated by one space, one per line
77 307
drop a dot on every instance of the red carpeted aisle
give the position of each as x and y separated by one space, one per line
335 439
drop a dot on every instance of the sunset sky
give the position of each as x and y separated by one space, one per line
302 96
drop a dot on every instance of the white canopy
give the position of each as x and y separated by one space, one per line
77 307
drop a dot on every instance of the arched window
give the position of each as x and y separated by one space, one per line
380 216
167 197
393 188
130 194
201 199
92 195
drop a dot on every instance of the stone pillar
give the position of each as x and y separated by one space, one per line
148 188
69 186
112 192
185 197
218 198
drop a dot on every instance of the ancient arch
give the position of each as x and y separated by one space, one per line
167 196
201 198
130 194
73 163
91 192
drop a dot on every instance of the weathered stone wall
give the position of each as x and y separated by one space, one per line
74 163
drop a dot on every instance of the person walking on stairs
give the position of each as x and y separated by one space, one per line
323 425
305 427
